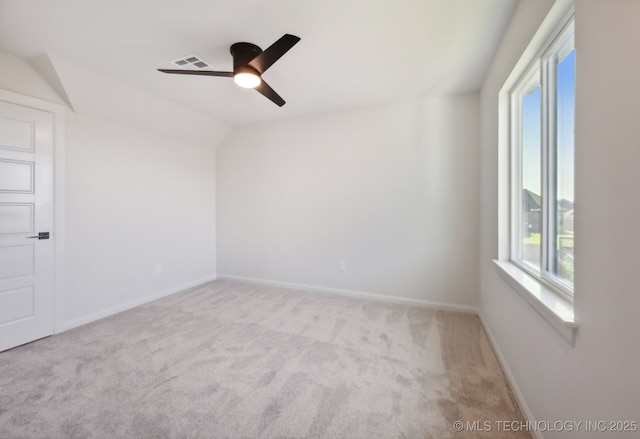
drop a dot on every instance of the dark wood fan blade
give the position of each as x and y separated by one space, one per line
197 72
272 53
270 93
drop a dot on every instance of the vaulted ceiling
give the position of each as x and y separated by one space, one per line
352 53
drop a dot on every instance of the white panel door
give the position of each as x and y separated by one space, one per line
26 210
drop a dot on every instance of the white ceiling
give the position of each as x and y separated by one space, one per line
352 53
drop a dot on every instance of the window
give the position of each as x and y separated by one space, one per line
542 104
536 107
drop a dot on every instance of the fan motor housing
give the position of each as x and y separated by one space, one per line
243 53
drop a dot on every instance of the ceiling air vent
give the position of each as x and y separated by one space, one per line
191 62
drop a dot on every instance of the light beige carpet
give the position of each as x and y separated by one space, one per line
228 360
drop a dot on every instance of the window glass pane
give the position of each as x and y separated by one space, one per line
562 249
531 219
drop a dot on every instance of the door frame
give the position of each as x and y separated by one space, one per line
58 230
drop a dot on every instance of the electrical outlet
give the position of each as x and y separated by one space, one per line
342 266
158 268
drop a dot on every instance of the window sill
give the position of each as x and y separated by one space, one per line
555 309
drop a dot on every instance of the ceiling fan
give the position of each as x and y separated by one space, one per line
249 63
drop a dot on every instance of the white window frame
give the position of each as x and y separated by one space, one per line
531 79
544 293
541 73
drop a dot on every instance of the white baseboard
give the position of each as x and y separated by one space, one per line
517 392
132 304
351 293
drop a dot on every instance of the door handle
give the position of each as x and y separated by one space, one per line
41 235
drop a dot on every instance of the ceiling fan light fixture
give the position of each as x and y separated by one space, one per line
246 77
247 80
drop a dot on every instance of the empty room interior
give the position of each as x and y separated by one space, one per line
319 219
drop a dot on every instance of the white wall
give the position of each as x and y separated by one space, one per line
391 190
598 378
133 200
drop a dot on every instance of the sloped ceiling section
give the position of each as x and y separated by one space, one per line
45 67
95 95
